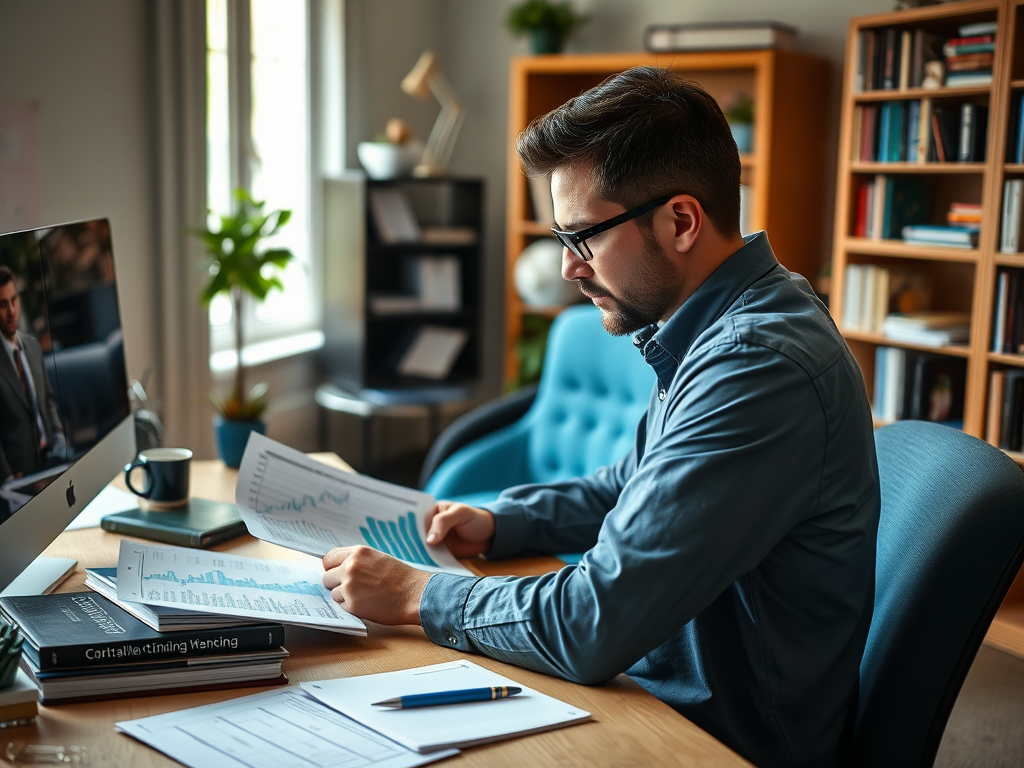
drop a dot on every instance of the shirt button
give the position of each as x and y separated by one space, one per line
453 639
662 394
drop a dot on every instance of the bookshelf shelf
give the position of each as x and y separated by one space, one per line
884 341
971 286
930 168
898 249
921 93
783 175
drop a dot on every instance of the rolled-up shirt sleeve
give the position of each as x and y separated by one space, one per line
728 474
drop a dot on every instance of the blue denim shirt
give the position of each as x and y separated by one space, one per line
729 564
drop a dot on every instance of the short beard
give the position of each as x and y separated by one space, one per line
645 300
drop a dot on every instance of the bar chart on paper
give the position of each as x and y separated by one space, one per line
289 499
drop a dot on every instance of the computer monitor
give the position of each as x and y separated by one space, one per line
65 423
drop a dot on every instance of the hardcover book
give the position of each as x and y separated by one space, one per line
84 629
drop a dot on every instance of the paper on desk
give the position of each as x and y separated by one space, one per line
283 728
107 502
289 591
289 499
453 725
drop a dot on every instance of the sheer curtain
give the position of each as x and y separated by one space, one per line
178 50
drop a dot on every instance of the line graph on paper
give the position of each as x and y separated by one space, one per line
289 499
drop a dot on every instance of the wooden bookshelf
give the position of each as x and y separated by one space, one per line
983 183
784 171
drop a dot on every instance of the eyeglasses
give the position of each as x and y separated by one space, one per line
576 241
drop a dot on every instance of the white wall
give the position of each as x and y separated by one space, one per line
85 63
475 50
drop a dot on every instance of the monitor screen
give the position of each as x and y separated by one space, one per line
63 387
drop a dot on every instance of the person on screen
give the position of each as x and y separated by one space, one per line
29 416
729 559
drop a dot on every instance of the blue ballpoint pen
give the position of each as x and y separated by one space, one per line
450 697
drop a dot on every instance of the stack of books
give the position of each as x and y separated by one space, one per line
872 293
82 647
947 236
18 702
886 204
964 215
918 385
969 57
718 36
929 329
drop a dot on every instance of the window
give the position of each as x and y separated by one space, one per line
259 137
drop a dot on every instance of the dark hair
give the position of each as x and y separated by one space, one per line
6 275
645 132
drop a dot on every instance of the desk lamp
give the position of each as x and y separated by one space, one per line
426 78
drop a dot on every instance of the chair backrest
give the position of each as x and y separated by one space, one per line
950 541
593 391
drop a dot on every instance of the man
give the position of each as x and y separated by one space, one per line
729 564
30 423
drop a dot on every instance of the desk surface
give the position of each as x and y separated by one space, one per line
630 726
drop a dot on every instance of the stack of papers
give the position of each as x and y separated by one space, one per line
333 722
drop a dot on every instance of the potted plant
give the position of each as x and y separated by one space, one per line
238 266
740 114
548 24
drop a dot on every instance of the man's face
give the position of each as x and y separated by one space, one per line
630 279
10 310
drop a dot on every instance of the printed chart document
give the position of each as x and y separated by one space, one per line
277 729
426 729
289 499
289 591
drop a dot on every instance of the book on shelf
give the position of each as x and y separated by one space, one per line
930 329
435 281
1015 141
83 629
892 59
872 293
1010 231
446 235
994 407
540 197
918 385
1011 414
886 204
945 141
964 215
946 236
393 215
968 79
1008 314
973 133
432 352
718 36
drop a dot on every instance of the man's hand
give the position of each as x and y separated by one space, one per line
374 586
466 530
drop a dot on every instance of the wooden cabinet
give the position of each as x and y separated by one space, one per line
964 280
783 172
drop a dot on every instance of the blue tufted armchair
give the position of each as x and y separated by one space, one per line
594 389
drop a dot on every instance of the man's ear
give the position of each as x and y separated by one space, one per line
686 220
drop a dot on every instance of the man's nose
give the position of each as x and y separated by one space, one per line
573 267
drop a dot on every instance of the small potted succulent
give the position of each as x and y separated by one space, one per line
740 114
239 267
548 24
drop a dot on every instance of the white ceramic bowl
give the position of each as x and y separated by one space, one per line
383 160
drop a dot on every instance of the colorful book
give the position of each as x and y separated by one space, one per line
83 629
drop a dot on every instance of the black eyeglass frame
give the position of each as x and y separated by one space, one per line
575 241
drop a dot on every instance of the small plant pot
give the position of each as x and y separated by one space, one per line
232 437
545 41
743 134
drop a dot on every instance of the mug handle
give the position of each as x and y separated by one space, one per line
128 478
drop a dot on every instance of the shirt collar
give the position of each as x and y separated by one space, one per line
664 347
11 345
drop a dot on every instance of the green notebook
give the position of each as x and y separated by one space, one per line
200 523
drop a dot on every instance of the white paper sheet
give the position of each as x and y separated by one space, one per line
284 728
289 499
222 582
109 501
453 725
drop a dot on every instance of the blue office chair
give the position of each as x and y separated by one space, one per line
592 393
950 542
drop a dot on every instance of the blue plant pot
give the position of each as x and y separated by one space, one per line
743 134
232 437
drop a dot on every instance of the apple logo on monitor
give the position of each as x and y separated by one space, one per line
70 493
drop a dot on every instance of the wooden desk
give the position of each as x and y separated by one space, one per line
630 728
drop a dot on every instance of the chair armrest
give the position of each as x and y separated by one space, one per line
488 418
492 463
